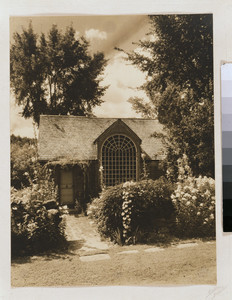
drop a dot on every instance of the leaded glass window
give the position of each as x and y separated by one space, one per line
118 160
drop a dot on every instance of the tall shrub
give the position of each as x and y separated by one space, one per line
37 221
194 202
133 207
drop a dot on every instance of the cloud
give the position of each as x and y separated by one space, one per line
92 34
77 35
123 73
123 79
19 125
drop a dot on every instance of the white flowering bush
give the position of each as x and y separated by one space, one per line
123 210
127 208
194 202
37 221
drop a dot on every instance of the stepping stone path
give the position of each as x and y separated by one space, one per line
151 250
128 252
186 245
94 257
82 229
86 241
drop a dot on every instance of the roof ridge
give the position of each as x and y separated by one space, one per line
97 118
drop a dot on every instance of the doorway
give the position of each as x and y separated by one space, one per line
66 186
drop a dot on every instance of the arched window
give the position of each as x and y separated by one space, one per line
118 159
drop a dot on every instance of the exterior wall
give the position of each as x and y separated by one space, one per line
86 185
79 183
153 169
94 179
57 176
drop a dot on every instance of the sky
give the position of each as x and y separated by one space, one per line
104 33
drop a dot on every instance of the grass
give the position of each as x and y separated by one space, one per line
193 265
172 266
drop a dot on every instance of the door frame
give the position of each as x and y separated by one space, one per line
68 168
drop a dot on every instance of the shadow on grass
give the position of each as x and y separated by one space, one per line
162 240
63 253
156 239
20 260
75 245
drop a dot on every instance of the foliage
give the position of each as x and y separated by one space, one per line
127 212
132 207
177 58
194 201
23 157
36 219
55 74
107 211
190 130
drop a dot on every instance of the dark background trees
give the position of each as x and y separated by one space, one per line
177 58
23 158
55 74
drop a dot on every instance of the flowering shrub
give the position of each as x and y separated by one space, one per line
128 208
194 201
37 222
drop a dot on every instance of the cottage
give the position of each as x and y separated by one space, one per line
91 152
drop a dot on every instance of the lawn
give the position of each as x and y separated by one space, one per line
190 265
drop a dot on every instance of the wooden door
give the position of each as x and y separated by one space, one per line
66 187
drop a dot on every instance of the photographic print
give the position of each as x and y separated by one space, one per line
112 150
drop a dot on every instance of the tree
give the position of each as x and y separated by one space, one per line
23 159
55 74
177 57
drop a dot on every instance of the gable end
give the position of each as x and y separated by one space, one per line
118 127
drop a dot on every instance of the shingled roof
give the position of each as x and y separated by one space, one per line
71 137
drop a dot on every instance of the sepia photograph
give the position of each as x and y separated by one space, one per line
112 150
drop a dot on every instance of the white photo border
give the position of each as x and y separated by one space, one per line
222 20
